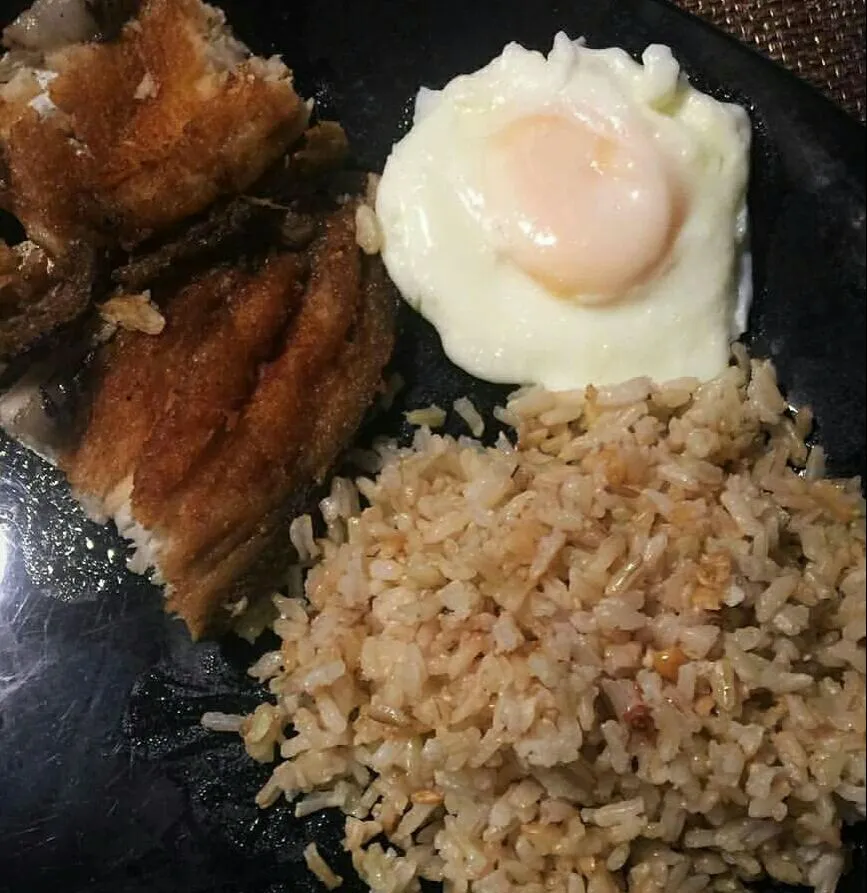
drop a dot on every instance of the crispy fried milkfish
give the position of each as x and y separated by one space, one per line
107 143
200 441
248 341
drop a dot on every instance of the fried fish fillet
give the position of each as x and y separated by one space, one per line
145 130
202 441
107 143
163 173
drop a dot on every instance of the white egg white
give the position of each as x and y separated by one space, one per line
502 325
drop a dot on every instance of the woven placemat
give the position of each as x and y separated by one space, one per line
821 40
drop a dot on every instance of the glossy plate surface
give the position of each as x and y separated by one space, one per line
107 783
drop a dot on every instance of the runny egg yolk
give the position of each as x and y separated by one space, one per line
586 211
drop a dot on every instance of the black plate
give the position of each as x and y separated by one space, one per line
106 781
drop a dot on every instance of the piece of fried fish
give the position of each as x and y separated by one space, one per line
106 142
202 442
243 339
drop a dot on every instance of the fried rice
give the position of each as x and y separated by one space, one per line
624 652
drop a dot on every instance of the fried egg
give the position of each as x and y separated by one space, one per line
573 218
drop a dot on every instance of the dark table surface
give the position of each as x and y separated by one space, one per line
822 41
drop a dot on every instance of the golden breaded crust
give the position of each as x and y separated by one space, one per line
256 460
135 374
336 406
205 404
222 422
149 129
